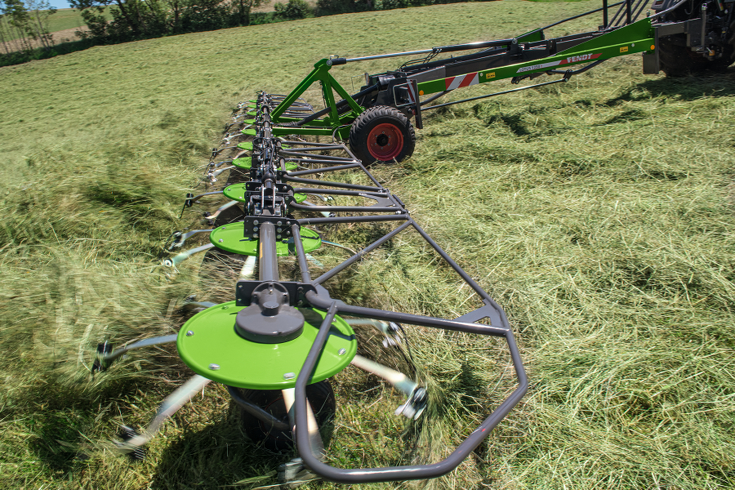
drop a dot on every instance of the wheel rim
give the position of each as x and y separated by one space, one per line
385 141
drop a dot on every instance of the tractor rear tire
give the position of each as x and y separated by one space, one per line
321 397
382 134
677 60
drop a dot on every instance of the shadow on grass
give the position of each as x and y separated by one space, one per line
219 455
58 434
63 417
684 88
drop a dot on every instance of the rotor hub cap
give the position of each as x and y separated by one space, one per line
271 362
385 142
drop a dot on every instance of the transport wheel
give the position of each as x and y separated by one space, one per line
382 134
677 60
321 398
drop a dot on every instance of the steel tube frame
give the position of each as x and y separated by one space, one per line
337 209
324 169
318 297
604 8
440 49
332 184
312 190
351 219
166 339
359 255
267 256
509 91
410 472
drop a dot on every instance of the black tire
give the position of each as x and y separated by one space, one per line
678 60
382 134
321 398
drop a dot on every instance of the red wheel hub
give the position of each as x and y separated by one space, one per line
385 142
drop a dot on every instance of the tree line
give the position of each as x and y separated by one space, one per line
132 20
142 19
23 21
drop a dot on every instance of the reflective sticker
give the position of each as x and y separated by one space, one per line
569 60
411 93
624 49
461 81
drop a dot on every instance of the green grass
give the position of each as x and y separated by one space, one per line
69 19
598 213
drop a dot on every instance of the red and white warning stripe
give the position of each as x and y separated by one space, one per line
411 94
462 81
568 61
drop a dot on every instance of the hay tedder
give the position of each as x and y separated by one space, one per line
280 339
282 335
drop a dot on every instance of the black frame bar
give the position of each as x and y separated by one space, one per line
269 173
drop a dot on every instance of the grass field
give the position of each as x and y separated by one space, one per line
68 19
599 213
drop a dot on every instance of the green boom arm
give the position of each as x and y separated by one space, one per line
634 38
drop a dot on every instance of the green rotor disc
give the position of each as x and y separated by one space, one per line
249 132
246 163
236 192
249 121
230 238
209 345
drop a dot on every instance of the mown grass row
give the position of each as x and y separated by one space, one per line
598 213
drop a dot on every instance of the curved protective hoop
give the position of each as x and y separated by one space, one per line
393 473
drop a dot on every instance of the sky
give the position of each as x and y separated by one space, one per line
59 4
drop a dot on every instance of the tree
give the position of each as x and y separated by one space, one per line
14 21
243 9
330 7
40 11
294 9
141 19
93 14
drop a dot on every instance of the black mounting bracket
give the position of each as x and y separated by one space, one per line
296 291
282 224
